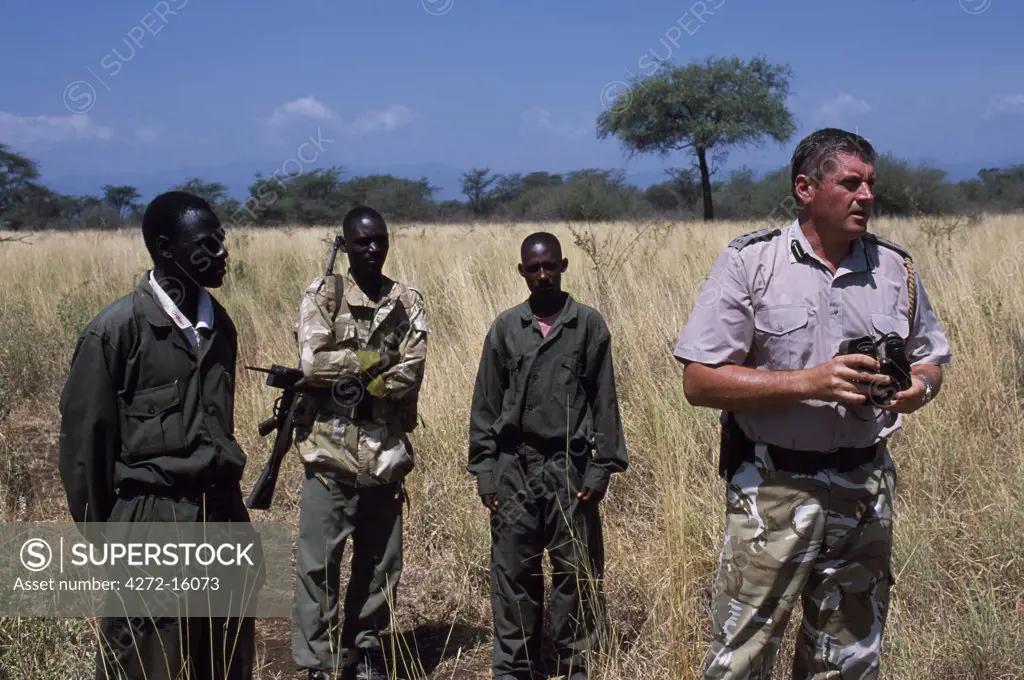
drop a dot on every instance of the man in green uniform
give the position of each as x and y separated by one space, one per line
545 436
147 432
362 340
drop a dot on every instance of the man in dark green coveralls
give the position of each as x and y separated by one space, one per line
146 434
545 436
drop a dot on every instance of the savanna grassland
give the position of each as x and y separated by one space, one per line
958 604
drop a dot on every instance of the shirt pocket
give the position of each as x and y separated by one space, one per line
514 366
569 368
345 336
153 421
514 369
781 334
568 378
886 323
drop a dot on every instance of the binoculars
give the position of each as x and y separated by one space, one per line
890 352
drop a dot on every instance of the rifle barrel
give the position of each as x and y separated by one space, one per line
338 239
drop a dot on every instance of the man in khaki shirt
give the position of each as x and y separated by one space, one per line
809 476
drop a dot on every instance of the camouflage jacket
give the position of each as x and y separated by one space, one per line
342 426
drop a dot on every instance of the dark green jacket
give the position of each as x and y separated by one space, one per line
545 392
141 406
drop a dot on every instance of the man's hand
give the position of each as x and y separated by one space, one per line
377 387
909 400
849 378
368 360
588 494
490 501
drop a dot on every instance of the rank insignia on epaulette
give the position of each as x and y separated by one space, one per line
875 238
745 240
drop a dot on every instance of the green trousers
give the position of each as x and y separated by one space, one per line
328 518
175 648
537 511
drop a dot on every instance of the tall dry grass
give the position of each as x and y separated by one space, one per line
958 605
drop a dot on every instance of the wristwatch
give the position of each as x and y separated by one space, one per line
927 388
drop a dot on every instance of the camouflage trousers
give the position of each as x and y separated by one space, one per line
824 537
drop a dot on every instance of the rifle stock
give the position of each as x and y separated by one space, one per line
282 420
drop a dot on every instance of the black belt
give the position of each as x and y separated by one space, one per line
842 459
736 448
194 494
549 445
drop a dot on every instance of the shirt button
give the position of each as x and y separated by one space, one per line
209 409
152 410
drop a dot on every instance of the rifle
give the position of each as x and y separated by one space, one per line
339 244
290 380
282 420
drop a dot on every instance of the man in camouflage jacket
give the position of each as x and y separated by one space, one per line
362 341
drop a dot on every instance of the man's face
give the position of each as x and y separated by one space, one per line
367 244
542 267
845 200
199 251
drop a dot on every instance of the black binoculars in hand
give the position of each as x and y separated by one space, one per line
890 352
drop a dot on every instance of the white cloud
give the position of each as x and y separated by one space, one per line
538 118
1005 105
383 120
303 108
149 134
33 129
309 109
841 107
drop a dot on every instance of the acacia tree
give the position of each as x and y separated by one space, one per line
121 197
475 184
18 180
708 106
213 193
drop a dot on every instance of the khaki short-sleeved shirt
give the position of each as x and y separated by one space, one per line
770 303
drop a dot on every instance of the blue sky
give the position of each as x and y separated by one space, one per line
135 88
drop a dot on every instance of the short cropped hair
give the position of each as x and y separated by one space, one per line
357 215
163 216
540 237
817 150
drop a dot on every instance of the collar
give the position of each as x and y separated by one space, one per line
355 297
800 248
149 304
204 311
567 315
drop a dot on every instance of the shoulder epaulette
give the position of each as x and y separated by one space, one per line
909 262
875 238
744 240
